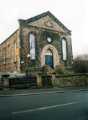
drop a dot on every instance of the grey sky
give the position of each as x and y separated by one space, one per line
72 13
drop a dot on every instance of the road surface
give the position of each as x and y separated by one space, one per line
68 105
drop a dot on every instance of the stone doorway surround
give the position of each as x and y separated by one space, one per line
56 58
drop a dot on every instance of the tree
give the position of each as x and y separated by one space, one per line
80 65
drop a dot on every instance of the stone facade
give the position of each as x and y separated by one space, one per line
9 54
43 26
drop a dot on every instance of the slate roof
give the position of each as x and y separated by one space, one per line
9 37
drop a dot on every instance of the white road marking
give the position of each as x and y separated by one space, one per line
34 93
44 108
42 92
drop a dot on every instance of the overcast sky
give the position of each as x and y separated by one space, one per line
72 13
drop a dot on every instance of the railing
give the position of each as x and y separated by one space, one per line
23 82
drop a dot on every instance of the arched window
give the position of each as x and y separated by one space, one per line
64 49
32 46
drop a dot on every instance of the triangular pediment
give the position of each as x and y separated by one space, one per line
48 21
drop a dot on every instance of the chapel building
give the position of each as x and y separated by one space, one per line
40 40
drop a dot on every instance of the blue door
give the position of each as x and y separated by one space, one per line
49 60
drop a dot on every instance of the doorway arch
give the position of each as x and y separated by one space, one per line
50 49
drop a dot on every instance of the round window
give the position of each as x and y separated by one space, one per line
49 39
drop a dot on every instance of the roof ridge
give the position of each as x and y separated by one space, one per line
38 16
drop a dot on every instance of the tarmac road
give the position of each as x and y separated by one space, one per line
68 105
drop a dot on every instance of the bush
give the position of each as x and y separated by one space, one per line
80 66
59 69
47 69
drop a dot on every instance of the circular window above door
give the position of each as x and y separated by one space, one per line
49 39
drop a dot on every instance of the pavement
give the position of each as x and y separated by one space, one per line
17 92
49 104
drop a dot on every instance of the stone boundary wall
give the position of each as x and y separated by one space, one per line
74 80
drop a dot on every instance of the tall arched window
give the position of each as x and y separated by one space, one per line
32 46
64 49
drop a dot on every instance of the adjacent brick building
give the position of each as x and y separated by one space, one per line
40 40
